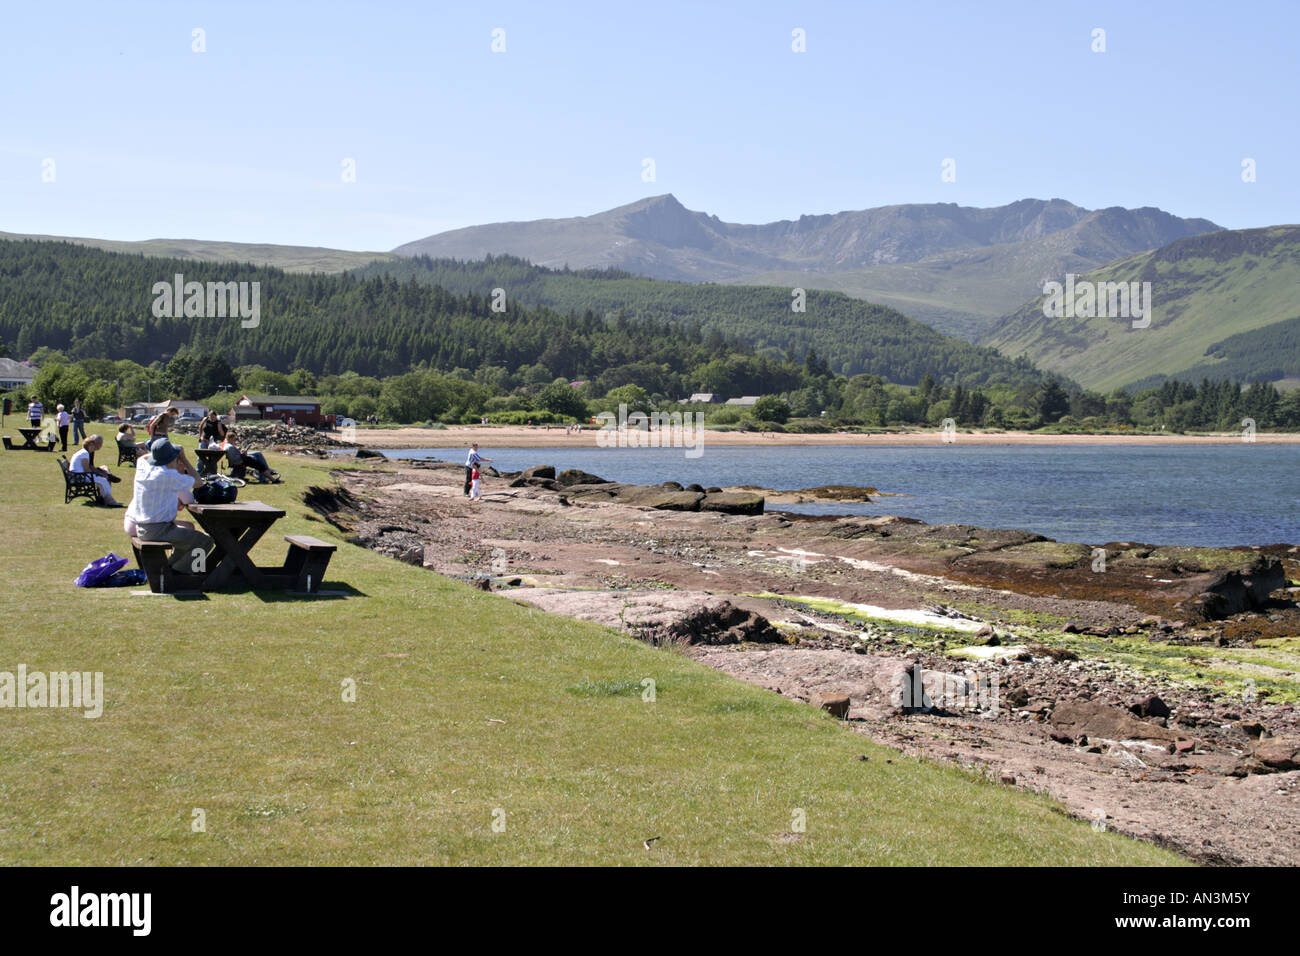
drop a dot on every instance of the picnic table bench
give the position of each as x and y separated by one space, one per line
235 529
29 441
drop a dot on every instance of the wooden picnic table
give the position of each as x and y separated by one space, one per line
29 438
210 460
235 529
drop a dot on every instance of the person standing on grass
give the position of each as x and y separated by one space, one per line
61 420
471 465
78 421
34 412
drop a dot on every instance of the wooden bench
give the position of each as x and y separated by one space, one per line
77 484
154 558
307 560
9 442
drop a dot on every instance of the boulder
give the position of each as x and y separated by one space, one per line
1096 719
733 502
837 705
1149 706
538 471
575 476
369 453
1279 753
661 498
716 622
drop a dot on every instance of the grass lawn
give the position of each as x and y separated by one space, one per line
470 709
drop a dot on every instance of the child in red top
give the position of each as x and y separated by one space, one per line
475 486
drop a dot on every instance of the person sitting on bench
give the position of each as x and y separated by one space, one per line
84 462
161 478
240 460
126 439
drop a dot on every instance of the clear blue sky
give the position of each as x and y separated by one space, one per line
246 141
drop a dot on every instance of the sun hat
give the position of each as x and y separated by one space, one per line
163 452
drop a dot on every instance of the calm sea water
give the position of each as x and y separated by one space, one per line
1202 495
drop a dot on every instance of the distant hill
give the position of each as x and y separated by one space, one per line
1225 306
851 336
90 303
957 268
288 258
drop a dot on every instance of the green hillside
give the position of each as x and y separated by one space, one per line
87 303
1222 305
852 336
288 258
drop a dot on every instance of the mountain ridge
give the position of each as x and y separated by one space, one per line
957 268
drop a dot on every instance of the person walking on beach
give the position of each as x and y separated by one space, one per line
61 420
471 465
78 421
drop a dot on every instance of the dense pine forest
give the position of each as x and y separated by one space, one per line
89 303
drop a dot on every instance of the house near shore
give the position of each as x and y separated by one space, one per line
303 409
745 401
15 374
703 398
184 406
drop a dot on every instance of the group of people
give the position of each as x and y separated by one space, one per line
62 419
164 484
214 433
474 473
165 481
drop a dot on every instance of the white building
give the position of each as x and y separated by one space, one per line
15 374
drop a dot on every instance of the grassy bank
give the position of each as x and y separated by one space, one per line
469 709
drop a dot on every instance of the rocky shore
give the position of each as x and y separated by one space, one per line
1153 691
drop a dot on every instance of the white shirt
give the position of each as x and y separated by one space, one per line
80 461
157 492
64 418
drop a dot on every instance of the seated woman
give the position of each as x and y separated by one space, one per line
240 460
126 439
83 462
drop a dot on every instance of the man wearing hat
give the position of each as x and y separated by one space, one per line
164 478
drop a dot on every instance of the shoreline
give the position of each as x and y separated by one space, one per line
518 436
1126 690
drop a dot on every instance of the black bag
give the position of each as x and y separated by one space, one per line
218 491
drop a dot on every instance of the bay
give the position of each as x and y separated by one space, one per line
1206 495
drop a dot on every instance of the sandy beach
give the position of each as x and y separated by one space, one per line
507 436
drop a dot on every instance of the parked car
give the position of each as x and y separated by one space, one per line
111 420
189 417
346 423
142 417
